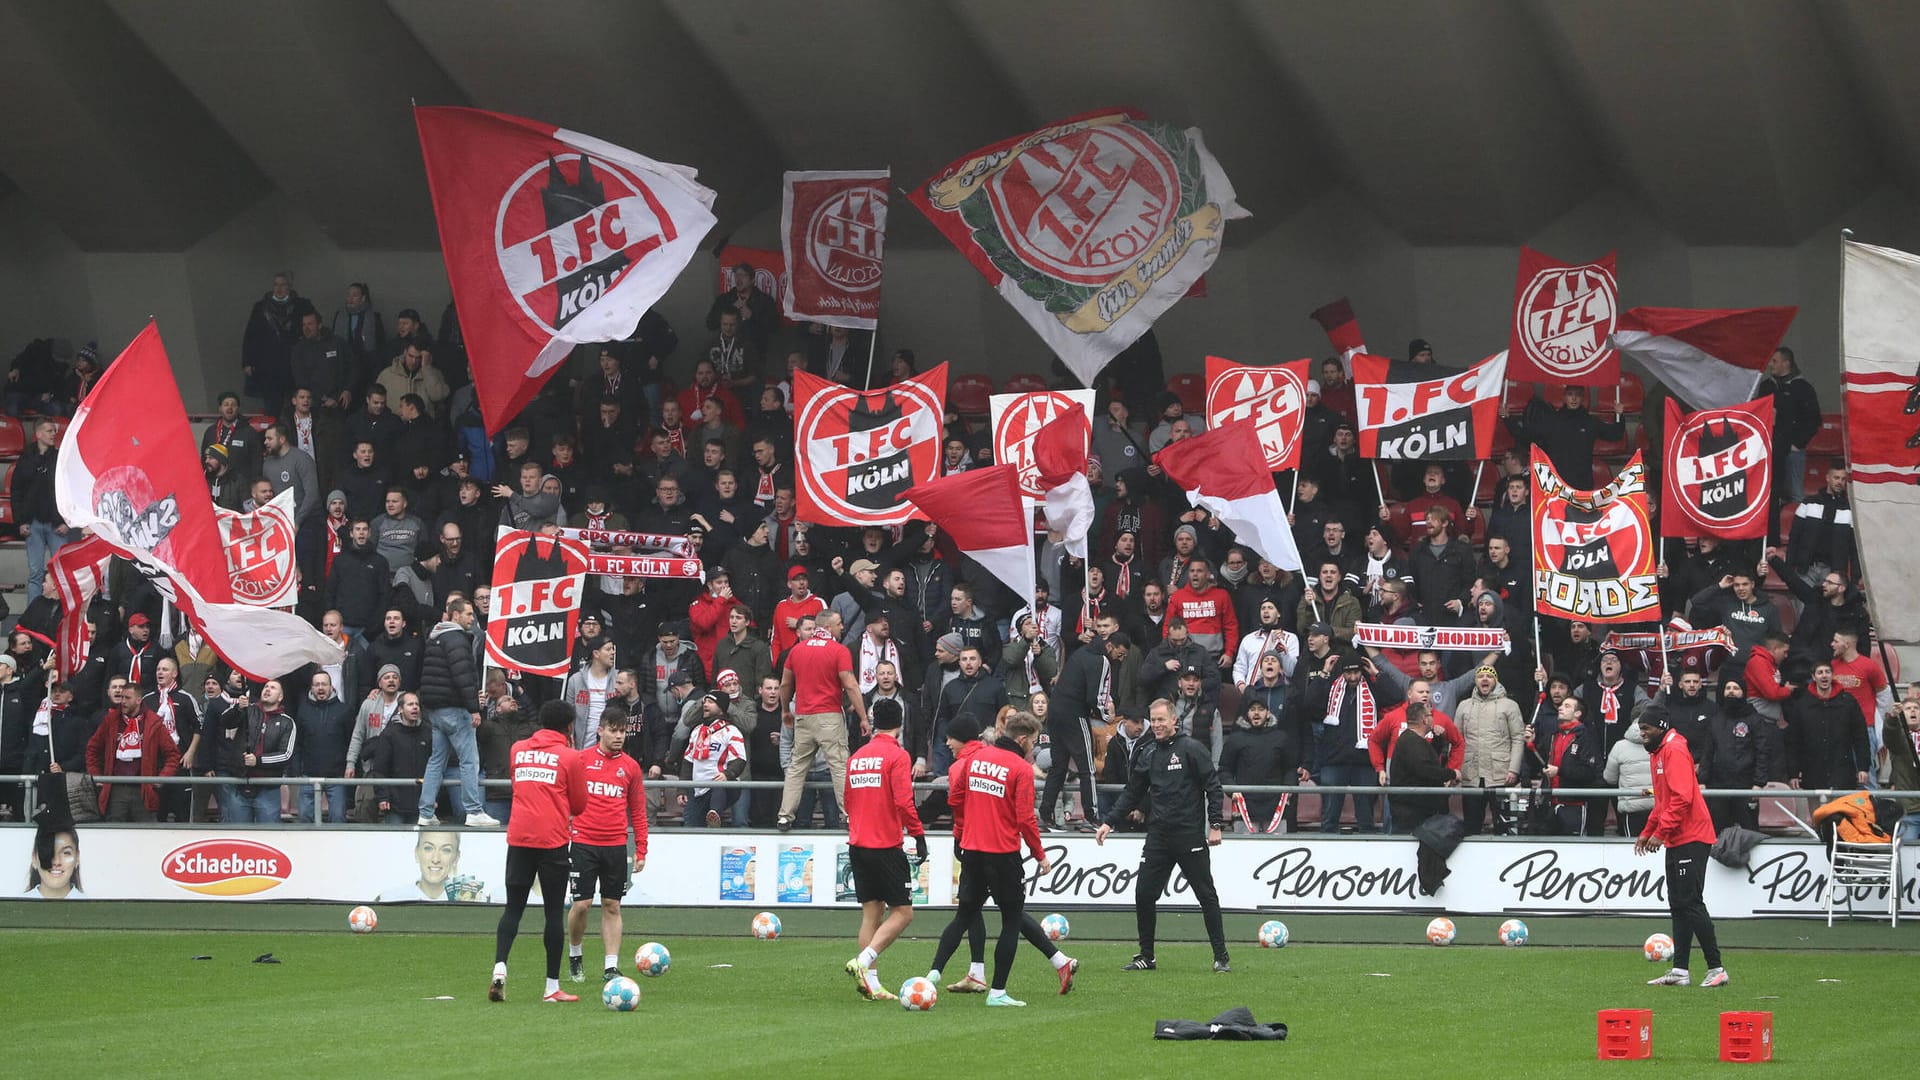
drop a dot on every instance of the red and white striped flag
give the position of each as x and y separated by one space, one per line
986 515
130 471
1711 358
1342 329
77 571
1225 471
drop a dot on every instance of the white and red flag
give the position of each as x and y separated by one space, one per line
1880 385
551 238
986 516
833 234
1223 470
259 547
1342 329
1274 398
130 472
1594 550
77 570
1059 455
1563 316
1711 358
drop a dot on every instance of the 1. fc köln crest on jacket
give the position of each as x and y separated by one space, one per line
857 452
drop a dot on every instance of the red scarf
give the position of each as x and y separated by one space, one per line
223 430
1122 575
1609 705
1366 712
678 437
1562 738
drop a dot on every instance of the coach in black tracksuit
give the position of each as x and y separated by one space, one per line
1186 818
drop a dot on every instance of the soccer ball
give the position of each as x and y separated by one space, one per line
766 926
362 920
1273 934
1056 927
918 994
621 994
1659 949
1513 932
1440 931
652 960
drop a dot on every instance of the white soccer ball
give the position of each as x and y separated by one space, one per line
766 926
1273 934
621 994
1055 926
918 994
1513 932
652 960
1658 949
362 920
1440 931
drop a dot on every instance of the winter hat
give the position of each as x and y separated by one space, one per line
384 669
952 641
1189 530
90 352
334 496
1417 346
220 451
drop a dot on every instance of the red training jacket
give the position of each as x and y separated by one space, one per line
1380 743
615 795
547 792
993 809
1679 812
159 753
879 795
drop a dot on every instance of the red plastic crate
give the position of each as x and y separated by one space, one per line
1746 1036
1626 1034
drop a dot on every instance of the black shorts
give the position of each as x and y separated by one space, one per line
601 867
881 874
524 864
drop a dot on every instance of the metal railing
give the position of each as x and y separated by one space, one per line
451 781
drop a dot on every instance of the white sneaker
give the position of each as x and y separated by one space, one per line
482 820
1676 977
427 821
1715 977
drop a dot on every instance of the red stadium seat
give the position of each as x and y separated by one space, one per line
1610 448
1024 383
1633 395
1490 482
1829 441
1814 476
1502 440
969 394
60 426
1192 391
260 421
1603 473
13 438
1516 395
1638 440
6 509
1401 522
1787 514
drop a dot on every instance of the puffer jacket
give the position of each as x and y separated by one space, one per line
1905 757
447 676
1741 748
1256 757
326 727
1630 768
1494 732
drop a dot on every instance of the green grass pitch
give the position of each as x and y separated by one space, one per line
94 1002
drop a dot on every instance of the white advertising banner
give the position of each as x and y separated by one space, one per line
702 868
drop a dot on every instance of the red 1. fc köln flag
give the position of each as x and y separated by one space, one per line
1342 328
1060 450
551 238
857 452
1563 316
986 516
833 232
1274 398
130 471
1712 359
1225 471
1408 415
1718 479
1016 420
1880 357
1090 227
1593 551
537 586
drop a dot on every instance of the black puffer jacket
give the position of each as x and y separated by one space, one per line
447 676
357 585
1257 757
401 753
1742 751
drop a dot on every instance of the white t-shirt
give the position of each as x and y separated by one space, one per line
593 694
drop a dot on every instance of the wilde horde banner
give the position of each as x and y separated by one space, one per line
1593 551
857 452
1409 414
1090 227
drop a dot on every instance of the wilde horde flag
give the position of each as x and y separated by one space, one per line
551 238
857 452
1409 415
1090 227
833 233
1593 551
1274 398
1718 479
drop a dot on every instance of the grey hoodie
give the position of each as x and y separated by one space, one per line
532 511
1631 768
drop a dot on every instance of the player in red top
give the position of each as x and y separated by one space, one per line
616 797
993 813
879 803
817 678
546 795
1680 821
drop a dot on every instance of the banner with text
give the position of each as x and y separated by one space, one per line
1593 551
857 452
1415 412
833 231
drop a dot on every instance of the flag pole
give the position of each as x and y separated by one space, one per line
1665 670
1539 660
1479 469
1374 468
1294 498
873 341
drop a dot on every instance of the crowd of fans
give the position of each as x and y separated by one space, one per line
398 494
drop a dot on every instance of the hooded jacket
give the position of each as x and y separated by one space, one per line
1679 814
401 753
1630 768
1494 733
1826 738
1691 717
1742 754
1259 756
532 511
